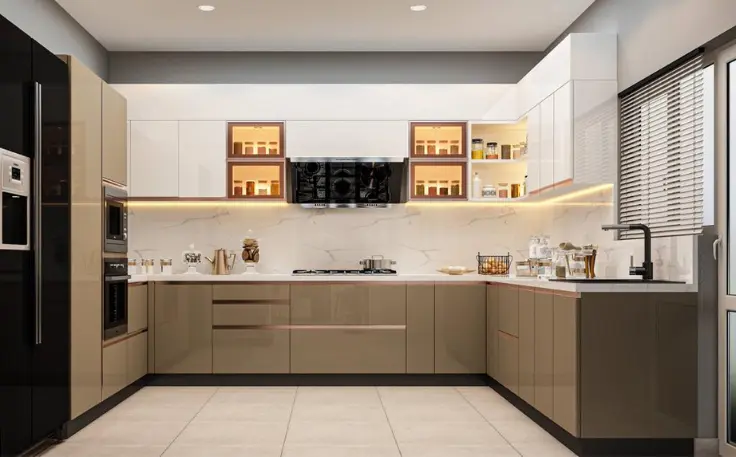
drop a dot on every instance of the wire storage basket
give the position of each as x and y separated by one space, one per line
494 265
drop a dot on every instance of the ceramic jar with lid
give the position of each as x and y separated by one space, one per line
489 191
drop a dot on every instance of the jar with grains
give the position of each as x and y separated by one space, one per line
455 147
263 187
432 188
273 148
237 148
503 190
248 148
455 188
238 188
250 188
506 152
275 187
476 150
444 188
262 148
492 151
432 147
444 147
419 188
419 148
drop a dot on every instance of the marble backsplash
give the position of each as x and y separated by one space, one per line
421 238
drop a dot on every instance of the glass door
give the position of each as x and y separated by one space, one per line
725 179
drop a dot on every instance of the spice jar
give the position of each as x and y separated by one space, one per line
515 151
506 152
237 148
132 266
431 147
148 266
262 187
455 188
238 188
477 149
419 148
515 190
167 267
492 151
503 190
455 147
444 188
248 148
273 148
250 188
261 151
432 188
489 191
419 188
444 147
275 187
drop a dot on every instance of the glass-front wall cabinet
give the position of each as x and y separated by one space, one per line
438 140
445 181
255 160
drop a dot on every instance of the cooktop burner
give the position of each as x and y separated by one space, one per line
342 272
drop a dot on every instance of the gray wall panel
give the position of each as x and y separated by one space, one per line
654 33
320 67
49 24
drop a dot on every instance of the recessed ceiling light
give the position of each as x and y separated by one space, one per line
418 8
206 8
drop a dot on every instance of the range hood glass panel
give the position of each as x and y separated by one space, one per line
346 183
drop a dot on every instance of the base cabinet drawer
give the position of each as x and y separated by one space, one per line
137 357
114 368
250 351
508 362
342 350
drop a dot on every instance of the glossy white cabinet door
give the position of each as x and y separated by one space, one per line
347 138
202 164
563 150
595 132
534 148
154 159
546 170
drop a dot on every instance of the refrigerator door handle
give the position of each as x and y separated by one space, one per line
37 168
716 244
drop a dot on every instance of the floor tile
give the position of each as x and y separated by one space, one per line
338 412
501 450
128 433
543 449
182 450
420 395
498 411
245 412
262 395
340 434
171 395
233 433
338 395
446 433
450 412
480 394
91 450
341 451
153 412
522 431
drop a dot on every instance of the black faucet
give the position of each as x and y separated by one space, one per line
646 271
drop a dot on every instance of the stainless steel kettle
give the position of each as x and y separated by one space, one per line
222 263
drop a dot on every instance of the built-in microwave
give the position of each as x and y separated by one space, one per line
115 219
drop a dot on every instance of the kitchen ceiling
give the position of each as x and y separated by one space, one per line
325 25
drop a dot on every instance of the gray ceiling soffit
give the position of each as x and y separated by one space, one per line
320 67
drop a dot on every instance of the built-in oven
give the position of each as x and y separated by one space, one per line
15 190
115 301
116 220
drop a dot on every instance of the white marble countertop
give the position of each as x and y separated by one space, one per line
529 282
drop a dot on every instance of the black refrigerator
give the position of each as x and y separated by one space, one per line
35 112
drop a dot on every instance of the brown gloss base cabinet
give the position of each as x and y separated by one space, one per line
125 359
328 328
598 365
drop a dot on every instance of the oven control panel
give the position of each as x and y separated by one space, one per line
16 173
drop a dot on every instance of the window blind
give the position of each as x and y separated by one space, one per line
661 154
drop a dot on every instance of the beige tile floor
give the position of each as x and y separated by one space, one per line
312 422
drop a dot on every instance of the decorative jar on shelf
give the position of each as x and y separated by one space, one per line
432 147
248 148
455 147
455 188
477 149
251 253
444 188
444 148
432 188
419 148
489 191
419 188
238 188
492 151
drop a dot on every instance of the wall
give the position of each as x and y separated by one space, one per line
420 237
321 67
47 22
654 33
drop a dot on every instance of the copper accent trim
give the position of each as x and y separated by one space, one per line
564 183
463 139
440 163
122 338
137 283
253 301
508 334
309 327
110 182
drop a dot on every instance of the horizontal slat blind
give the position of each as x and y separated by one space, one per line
661 158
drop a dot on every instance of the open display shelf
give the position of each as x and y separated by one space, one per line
438 140
501 171
441 181
255 140
255 160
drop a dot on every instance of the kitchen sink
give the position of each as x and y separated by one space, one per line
617 280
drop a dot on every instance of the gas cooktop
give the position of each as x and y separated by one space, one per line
342 272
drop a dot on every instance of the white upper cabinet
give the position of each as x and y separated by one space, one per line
546 165
563 149
154 159
534 149
347 139
595 132
202 151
